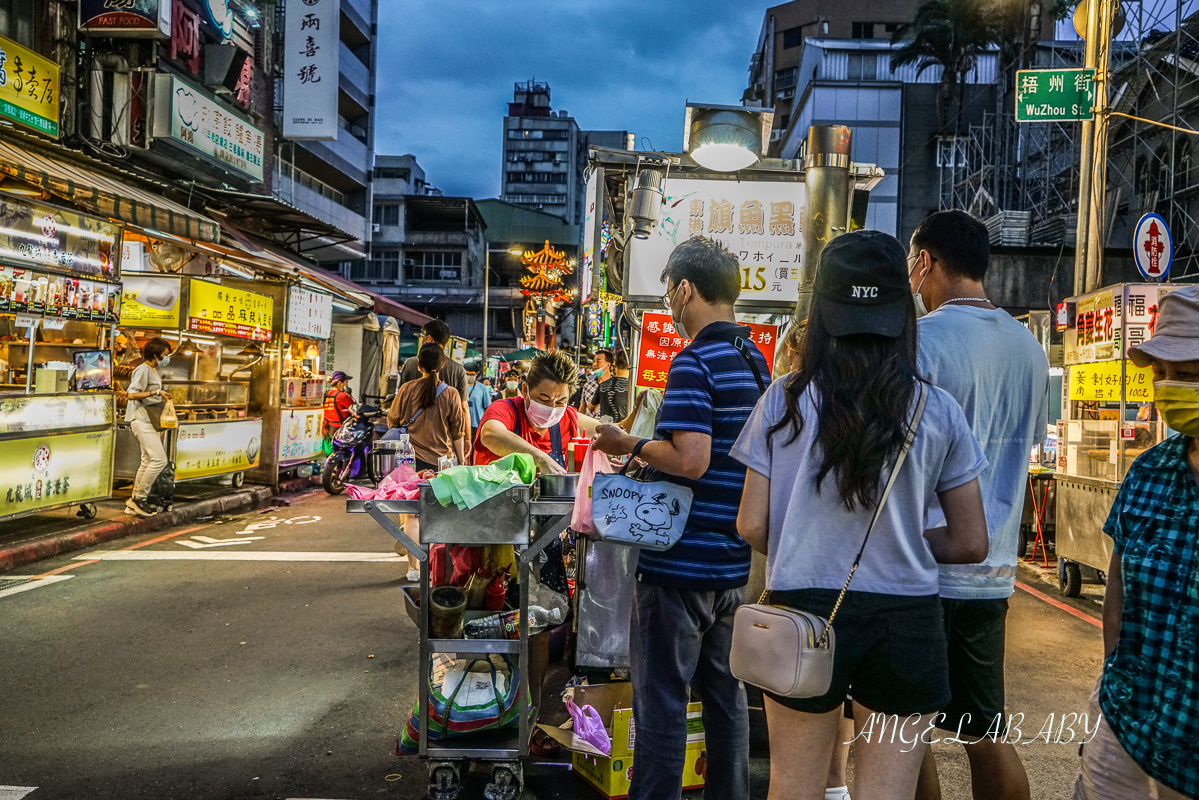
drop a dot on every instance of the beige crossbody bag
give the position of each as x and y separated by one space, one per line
788 652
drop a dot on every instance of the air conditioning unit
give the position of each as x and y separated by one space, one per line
787 94
376 227
776 135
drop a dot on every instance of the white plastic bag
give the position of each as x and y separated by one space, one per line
593 462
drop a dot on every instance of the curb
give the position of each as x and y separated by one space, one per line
57 544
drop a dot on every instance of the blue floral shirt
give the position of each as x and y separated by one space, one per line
1150 689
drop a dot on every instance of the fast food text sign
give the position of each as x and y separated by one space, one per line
214 308
760 222
660 343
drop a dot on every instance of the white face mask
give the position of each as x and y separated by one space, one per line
917 298
543 416
678 318
512 385
470 379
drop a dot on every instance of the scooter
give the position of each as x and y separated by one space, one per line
352 445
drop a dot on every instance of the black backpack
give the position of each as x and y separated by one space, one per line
162 492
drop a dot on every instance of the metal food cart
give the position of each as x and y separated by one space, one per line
517 517
1109 419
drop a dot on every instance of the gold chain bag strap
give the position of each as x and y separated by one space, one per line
788 652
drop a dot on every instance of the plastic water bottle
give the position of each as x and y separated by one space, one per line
506 624
405 454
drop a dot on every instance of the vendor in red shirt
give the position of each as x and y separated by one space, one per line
337 403
540 421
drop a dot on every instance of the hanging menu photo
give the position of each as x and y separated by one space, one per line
26 290
55 240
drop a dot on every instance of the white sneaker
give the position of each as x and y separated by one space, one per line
837 793
414 576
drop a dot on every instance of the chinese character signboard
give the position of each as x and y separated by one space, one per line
1153 247
126 18
1103 320
1100 382
44 471
151 302
660 343
38 235
760 222
213 308
28 88
30 413
205 449
310 53
309 313
185 115
300 434
1054 95
593 215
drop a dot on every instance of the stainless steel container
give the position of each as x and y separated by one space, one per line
385 456
559 485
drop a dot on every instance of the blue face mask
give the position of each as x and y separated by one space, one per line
162 362
597 373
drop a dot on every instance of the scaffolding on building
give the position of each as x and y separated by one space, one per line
1022 178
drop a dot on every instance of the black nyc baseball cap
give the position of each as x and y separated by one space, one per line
863 285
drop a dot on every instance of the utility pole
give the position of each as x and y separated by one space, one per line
1092 182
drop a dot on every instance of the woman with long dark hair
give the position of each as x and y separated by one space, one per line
820 445
430 412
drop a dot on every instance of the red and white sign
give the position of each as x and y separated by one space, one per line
1153 247
660 343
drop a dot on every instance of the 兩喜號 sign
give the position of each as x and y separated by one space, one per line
310 69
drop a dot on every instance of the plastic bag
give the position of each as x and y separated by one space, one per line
647 414
169 418
545 597
593 462
589 727
402 483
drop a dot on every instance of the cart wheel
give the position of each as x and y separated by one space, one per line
1022 543
507 781
1069 578
445 780
87 511
239 479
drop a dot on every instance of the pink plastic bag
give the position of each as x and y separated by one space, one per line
401 484
589 727
593 462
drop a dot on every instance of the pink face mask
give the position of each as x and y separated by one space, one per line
543 416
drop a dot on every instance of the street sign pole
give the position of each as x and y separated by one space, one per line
1092 183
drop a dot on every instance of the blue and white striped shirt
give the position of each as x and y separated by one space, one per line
710 390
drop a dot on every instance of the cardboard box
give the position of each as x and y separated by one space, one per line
610 775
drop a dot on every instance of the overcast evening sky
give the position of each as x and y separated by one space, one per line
446 70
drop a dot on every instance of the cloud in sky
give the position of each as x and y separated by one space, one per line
446 69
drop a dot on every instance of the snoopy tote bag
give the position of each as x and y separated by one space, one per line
646 514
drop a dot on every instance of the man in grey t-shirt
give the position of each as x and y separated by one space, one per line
453 373
998 373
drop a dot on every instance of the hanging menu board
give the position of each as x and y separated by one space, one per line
215 308
37 292
49 238
309 313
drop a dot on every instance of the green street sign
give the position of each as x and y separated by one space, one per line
1055 95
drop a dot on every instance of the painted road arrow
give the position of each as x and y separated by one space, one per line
204 542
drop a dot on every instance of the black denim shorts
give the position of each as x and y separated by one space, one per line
890 652
975 631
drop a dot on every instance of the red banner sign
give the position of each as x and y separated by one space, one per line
660 343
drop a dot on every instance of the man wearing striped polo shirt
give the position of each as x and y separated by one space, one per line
684 598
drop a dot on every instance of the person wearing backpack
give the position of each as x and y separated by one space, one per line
431 412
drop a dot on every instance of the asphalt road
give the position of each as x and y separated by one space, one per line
173 666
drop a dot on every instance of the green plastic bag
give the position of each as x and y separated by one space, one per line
467 487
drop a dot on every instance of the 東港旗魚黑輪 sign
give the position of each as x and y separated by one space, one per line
1055 95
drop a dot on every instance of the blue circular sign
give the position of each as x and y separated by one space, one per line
1153 247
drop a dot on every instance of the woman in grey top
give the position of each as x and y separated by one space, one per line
145 389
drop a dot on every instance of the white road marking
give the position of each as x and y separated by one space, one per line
203 542
238 555
32 583
17 792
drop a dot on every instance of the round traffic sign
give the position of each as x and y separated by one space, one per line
1153 247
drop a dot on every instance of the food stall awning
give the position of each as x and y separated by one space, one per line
101 194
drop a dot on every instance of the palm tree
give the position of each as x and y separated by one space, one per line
950 34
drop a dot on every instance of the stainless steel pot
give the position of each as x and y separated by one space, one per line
559 485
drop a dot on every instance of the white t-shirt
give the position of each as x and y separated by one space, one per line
813 539
998 373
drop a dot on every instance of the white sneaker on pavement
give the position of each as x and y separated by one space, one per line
414 576
837 793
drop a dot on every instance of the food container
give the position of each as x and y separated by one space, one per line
385 456
559 485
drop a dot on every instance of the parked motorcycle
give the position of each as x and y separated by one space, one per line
352 445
